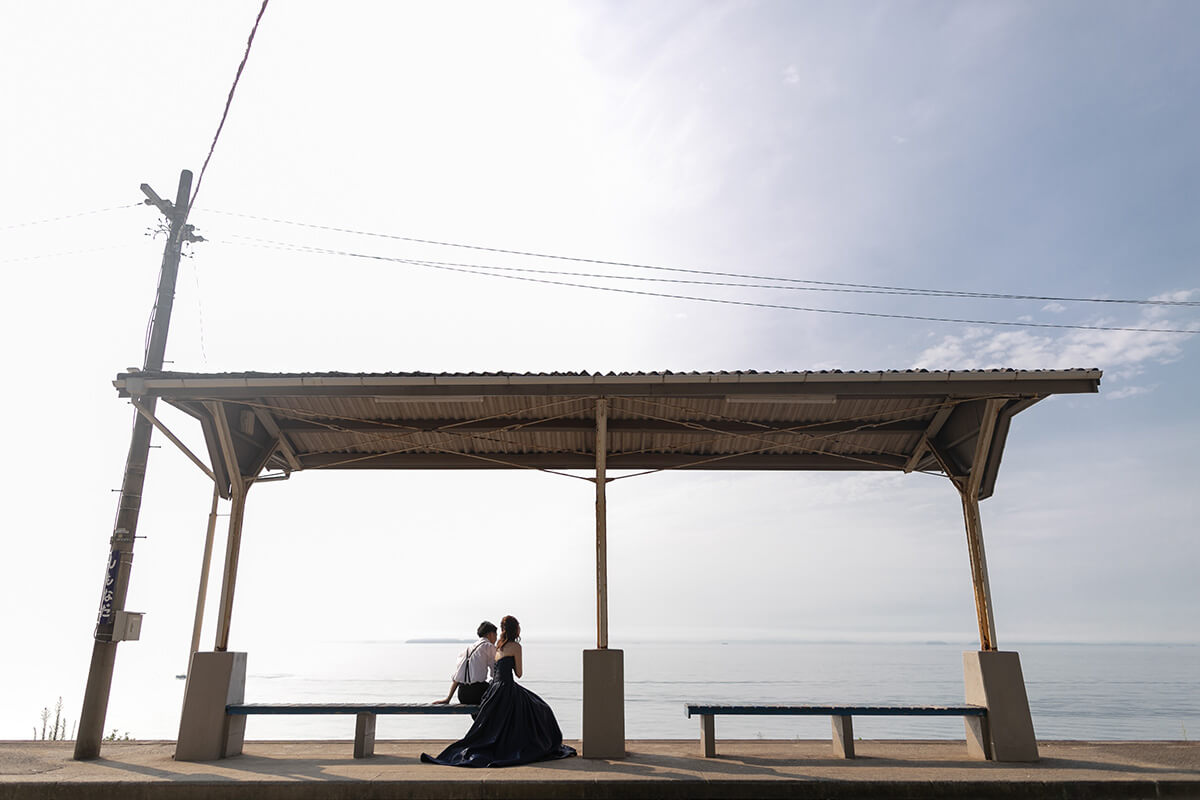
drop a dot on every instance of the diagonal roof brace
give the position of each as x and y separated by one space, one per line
284 446
145 412
935 426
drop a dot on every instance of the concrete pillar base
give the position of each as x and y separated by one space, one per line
206 733
993 679
843 737
603 704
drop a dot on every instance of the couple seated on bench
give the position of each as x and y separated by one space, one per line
513 725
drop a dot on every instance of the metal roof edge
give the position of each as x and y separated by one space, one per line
175 380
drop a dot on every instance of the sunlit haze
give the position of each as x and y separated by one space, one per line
1041 149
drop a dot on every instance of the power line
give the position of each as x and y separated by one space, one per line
607 276
642 278
483 270
66 253
69 216
228 101
200 314
832 286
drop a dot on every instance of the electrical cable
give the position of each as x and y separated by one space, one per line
724 301
606 276
69 216
199 314
60 254
228 102
863 287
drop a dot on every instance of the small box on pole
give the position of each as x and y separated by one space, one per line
127 626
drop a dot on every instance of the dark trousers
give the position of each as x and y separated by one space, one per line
469 694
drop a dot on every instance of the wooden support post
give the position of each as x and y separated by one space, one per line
601 525
708 735
205 563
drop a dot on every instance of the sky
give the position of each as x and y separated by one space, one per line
1028 148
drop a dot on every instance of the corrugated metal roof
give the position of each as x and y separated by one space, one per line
822 419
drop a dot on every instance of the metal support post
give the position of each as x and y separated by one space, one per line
205 563
233 546
601 525
120 559
979 574
233 543
969 491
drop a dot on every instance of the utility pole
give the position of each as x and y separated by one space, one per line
120 560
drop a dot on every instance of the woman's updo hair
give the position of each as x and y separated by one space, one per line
510 631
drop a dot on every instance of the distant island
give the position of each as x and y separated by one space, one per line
438 641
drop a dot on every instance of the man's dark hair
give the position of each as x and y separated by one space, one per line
484 629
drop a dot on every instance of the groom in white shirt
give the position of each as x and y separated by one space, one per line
474 668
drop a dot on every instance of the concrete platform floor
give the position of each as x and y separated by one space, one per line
657 768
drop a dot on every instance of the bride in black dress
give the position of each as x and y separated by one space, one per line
514 725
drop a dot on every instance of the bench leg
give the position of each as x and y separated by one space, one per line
708 736
364 736
843 737
979 746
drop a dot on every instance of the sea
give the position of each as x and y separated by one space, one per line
1076 691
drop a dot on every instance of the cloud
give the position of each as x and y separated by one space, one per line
791 74
1123 353
1128 391
1178 295
1055 308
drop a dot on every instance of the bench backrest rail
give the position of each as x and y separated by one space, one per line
245 709
854 711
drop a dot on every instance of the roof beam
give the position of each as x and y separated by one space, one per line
999 437
616 461
315 425
237 483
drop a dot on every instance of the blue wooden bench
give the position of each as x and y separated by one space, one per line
364 729
975 718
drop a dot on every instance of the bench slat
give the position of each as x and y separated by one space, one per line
855 711
246 709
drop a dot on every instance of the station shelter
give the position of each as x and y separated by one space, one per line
264 426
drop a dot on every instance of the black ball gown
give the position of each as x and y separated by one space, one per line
513 726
